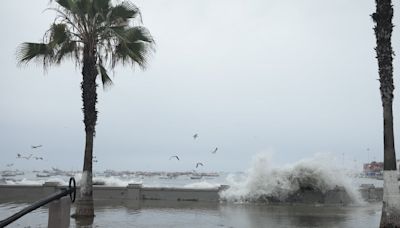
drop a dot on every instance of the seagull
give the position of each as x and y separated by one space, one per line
195 136
174 157
27 157
215 150
35 147
199 163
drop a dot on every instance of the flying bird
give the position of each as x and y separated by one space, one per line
198 163
215 150
38 158
27 157
195 136
35 147
174 157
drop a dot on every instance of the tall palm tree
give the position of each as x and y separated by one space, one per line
95 34
383 32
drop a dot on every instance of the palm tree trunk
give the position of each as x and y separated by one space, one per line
89 97
383 32
391 194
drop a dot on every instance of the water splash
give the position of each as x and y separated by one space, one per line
264 180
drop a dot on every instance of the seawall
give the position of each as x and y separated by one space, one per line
136 192
130 192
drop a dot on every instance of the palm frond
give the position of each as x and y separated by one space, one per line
132 53
60 40
86 7
101 5
139 33
69 5
29 51
67 49
135 45
123 12
58 34
99 24
105 79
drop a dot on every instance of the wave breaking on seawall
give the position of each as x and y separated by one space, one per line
314 178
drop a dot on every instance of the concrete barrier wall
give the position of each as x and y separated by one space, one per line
179 194
372 194
131 192
109 193
27 193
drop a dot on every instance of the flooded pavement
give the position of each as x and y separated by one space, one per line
194 214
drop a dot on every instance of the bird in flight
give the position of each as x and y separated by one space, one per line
195 136
174 157
35 147
38 158
215 150
198 164
26 157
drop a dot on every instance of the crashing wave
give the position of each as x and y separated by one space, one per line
312 180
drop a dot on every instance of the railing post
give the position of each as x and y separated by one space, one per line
59 213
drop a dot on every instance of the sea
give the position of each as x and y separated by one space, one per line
238 208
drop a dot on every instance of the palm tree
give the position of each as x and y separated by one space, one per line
383 32
94 34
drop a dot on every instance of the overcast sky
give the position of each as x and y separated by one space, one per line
288 77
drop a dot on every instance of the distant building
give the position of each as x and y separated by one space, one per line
374 168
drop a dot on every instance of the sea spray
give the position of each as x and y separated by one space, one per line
115 181
26 181
85 183
263 181
202 185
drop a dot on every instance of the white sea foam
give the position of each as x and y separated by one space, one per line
56 179
202 185
26 181
262 179
116 181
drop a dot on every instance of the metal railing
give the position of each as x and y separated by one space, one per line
71 191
